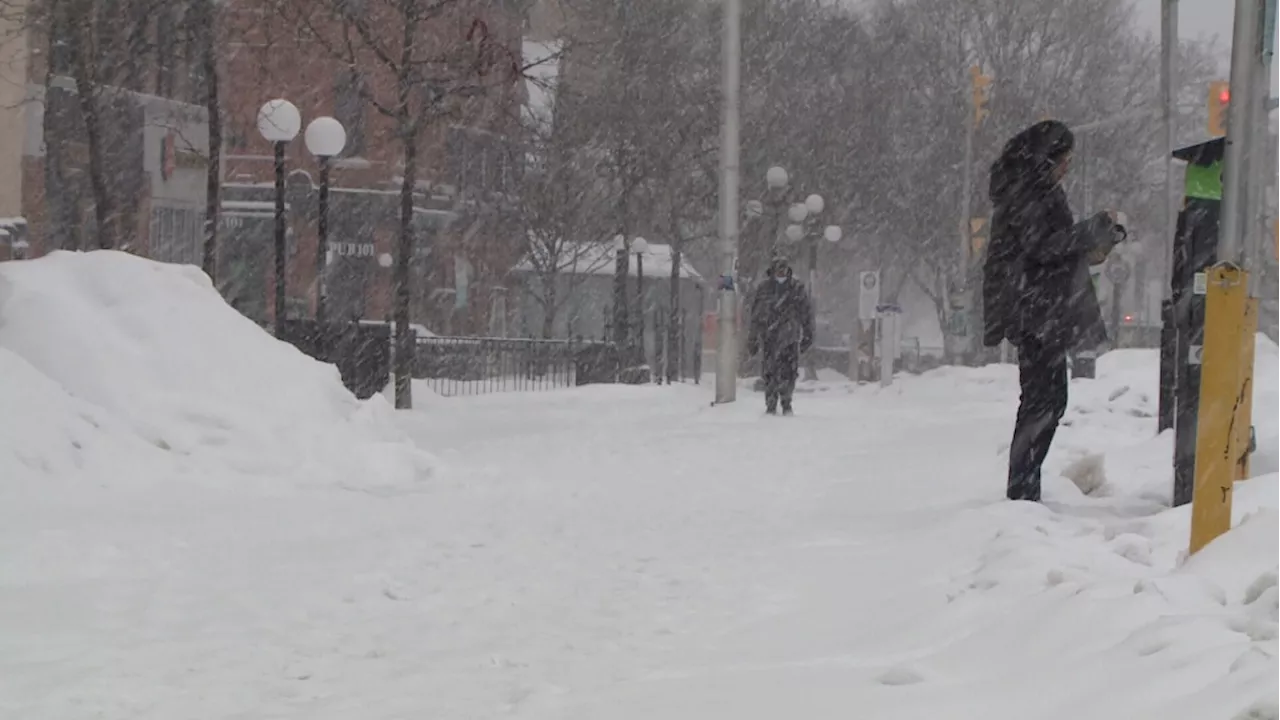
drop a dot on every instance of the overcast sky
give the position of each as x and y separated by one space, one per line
1196 18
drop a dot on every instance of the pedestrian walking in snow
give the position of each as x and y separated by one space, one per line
781 330
1037 293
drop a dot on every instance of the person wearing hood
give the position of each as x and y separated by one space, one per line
782 330
1037 292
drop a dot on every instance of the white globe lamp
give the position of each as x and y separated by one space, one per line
325 137
640 246
815 203
798 213
795 233
776 177
279 121
833 233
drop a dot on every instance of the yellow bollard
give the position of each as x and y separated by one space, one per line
1221 379
1242 430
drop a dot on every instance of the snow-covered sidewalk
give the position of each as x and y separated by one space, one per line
602 552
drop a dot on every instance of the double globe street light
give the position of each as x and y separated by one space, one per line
279 122
801 215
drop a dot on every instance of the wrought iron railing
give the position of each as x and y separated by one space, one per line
474 366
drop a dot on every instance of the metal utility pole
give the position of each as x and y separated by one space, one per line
727 341
979 89
1168 101
1260 146
966 210
1245 41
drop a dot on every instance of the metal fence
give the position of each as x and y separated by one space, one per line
474 366
362 353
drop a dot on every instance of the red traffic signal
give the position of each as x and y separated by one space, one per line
1224 96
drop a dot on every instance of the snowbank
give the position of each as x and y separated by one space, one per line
150 357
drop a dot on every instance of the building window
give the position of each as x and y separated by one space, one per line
349 108
176 234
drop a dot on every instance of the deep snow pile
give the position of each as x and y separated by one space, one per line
600 552
112 361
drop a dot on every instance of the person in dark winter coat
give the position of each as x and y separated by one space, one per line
782 330
1037 292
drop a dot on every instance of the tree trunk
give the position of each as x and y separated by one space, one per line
86 92
213 173
673 358
60 202
408 126
404 254
549 309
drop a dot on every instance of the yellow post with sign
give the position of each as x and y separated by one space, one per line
1242 442
1223 426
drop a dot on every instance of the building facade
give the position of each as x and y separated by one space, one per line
149 95
468 165
149 135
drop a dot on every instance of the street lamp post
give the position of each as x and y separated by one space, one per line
726 336
801 229
325 138
279 123
776 180
640 246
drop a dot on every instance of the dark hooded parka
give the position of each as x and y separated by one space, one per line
1037 292
781 330
1036 280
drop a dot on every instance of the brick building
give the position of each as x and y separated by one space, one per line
153 137
465 232
155 146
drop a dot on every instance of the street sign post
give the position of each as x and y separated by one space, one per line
868 294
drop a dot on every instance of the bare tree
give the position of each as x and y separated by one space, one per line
561 210
1079 61
205 31
431 77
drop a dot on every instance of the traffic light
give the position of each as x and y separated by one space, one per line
1219 102
981 94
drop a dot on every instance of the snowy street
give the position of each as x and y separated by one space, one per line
602 552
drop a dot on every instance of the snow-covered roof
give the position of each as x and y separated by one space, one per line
542 71
599 259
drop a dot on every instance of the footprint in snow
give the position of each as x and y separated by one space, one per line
899 676
1263 709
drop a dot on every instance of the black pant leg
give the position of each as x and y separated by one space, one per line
789 369
1042 373
769 370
